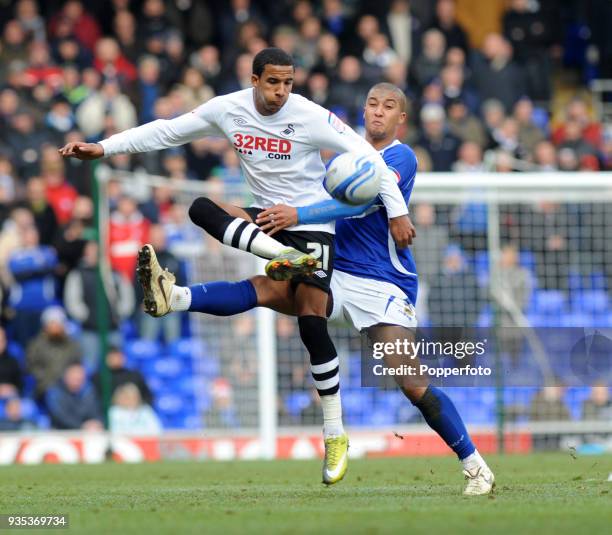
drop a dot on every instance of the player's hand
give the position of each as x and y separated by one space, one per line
277 218
82 151
402 231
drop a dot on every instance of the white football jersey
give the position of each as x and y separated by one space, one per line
279 153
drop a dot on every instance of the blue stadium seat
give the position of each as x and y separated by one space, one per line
527 260
356 401
209 367
169 404
140 349
188 348
549 301
575 396
296 402
167 368
591 301
14 348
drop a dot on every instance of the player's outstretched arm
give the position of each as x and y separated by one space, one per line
156 135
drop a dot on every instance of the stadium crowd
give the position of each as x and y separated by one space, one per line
501 90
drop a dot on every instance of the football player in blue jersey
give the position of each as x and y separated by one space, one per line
373 287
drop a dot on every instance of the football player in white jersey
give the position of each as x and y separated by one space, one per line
375 284
278 137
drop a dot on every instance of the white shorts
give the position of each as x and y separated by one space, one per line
364 302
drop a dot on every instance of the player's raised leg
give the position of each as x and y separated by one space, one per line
439 412
233 226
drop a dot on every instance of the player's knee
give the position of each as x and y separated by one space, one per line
202 211
314 335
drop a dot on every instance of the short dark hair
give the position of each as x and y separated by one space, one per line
270 56
385 86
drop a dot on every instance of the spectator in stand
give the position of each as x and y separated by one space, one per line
455 300
470 159
106 108
241 76
174 165
32 269
124 29
41 69
578 112
128 414
71 238
14 46
52 351
73 19
169 325
317 89
405 30
496 75
378 54
10 371
441 146
430 61
574 140
545 156
149 88
453 87
8 186
329 55
206 61
193 89
72 402
599 404
25 142
465 126
548 405
120 375
223 412
306 48
60 119
68 52
529 135
530 36
349 89
13 419
229 172
429 258
128 231
80 297
59 193
506 138
112 64
514 286
27 14
446 22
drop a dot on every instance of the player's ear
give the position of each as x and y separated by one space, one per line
254 80
402 118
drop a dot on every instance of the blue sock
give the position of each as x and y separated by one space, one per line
223 298
442 416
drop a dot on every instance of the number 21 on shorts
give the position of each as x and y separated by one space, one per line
321 252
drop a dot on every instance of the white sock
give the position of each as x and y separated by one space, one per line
180 298
266 246
332 415
473 461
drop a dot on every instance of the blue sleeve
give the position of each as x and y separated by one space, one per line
330 210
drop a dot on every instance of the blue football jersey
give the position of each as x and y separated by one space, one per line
364 246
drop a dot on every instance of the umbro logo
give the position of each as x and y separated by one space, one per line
289 131
320 273
240 121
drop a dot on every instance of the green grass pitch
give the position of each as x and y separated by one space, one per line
552 493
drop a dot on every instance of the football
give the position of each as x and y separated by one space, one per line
352 178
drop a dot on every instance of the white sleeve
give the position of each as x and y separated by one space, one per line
162 134
328 132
